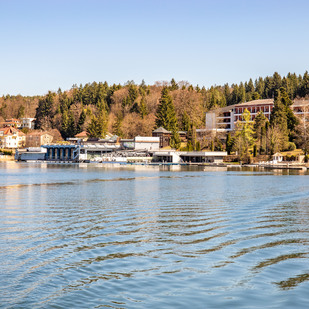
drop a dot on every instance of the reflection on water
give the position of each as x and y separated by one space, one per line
151 237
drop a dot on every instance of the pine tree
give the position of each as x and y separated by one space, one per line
102 124
260 87
279 121
71 131
117 126
44 111
229 144
191 136
98 125
174 85
244 136
227 94
185 122
260 132
242 93
282 115
166 117
165 111
143 107
92 129
64 124
81 121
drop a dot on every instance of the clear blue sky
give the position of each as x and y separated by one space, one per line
46 44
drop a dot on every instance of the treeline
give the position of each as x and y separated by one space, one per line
261 88
132 109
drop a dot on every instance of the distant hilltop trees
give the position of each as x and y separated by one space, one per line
130 110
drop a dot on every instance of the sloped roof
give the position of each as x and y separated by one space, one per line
82 134
11 131
300 102
256 102
161 130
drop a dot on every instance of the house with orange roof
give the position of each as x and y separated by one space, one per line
82 135
11 137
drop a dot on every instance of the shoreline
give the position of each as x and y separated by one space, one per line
282 166
5 158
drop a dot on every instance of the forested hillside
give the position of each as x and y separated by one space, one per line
130 109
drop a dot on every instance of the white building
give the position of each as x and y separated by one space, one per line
149 143
28 123
224 119
11 137
172 156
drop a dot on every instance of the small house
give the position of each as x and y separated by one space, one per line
277 157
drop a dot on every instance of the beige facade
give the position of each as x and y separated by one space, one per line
37 139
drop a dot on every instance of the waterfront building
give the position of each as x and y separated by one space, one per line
165 136
62 152
149 143
10 137
224 119
31 154
36 139
172 156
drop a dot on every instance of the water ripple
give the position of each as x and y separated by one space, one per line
107 238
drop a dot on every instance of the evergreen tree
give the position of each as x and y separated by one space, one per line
166 117
305 85
102 124
282 114
242 93
255 96
185 122
143 107
260 132
191 136
20 112
81 121
235 94
44 111
98 125
229 143
64 124
174 85
260 87
165 112
175 139
92 129
71 131
227 94
117 126
250 87
244 136
279 120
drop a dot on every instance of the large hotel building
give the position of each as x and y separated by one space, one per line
224 119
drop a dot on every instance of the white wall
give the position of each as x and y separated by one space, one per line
148 143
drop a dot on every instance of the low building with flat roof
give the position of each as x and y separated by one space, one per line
150 143
172 156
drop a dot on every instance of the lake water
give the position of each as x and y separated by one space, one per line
152 237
